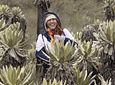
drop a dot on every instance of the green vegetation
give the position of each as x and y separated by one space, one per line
93 60
74 14
19 76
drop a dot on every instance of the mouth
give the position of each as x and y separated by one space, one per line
52 25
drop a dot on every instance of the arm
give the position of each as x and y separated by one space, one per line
68 34
39 48
68 37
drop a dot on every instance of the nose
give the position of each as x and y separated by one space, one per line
51 20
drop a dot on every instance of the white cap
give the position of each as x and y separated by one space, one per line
51 16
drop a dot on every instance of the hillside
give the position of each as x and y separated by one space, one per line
74 14
77 14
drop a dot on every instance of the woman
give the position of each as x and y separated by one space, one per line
53 30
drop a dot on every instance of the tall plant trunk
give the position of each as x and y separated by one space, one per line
42 6
64 72
23 26
109 13
8 60
40 28
87 33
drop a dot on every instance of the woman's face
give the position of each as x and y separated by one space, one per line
52 23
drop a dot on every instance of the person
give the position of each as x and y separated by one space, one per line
53 30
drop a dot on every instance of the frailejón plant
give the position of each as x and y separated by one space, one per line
5 11
106 37
11 40
16 11
61 68
12 45
53 83
108 2
103 82
87 53
19 76
83 78
61 53
106 40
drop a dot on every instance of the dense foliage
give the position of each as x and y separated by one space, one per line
93 58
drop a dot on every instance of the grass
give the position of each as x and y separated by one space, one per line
74 14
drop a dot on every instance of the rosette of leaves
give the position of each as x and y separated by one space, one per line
87 33
61 53
108 6
14 50
88 57
17 76
103 82
77 36
106 39
17 14
5 12
107 3
60 68
16 11
87 53
83 78
53 83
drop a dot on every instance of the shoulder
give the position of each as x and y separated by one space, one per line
68 34
44 34
40 36
66 31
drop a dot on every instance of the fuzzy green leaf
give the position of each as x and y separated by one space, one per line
106 48
61 60
9 73
61 53
14 76
110 51
68 57
108 35
18 71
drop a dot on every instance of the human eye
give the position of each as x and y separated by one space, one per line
49 19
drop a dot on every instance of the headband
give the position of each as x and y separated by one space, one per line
51 16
